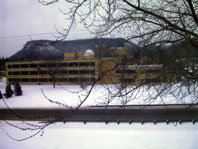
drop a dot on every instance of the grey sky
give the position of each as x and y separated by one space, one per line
26 19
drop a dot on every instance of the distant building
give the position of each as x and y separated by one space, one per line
103 66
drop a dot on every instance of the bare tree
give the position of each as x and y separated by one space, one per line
147 22
164 24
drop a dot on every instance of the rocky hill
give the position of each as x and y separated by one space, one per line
47 49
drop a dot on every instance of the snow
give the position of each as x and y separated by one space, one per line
92 135
36 96
100 135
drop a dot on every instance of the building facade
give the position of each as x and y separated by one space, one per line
82 68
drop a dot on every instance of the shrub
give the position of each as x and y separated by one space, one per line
1 95
17 89
8 91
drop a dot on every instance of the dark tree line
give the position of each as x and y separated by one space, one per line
2 63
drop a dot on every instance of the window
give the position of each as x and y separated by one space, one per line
73 64
130 71
84 64
24 72
24 80
119 71
42 72
52 72
84 79
153 80
43 65
34 79
33 72
43 80
52 79
128 80
24 65
92 71
153 71
33 65
52 65
9 73
10 80
84 72
73 79
127 71
15 66
16 80
62 64
93 79
9 66
73 71
16 72
62 79
92 63
62 71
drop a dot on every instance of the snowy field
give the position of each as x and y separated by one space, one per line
38 96
102 136
91 135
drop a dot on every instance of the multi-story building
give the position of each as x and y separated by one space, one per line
81 68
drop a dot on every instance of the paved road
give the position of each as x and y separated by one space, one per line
137 113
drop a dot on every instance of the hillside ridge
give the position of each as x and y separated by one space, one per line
49 49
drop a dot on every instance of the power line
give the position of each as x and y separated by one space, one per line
26 38
44 37
38 34
22 36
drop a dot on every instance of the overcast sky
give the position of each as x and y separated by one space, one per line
25 20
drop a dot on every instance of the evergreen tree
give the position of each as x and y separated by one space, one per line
1 95
8 92
17 89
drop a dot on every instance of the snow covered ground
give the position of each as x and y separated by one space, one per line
91 135
36 96
102 136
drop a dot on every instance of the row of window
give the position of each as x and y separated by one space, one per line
148 80
60 72
128 80
126 71
130 71
153 80
12 80
153 71
42 65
